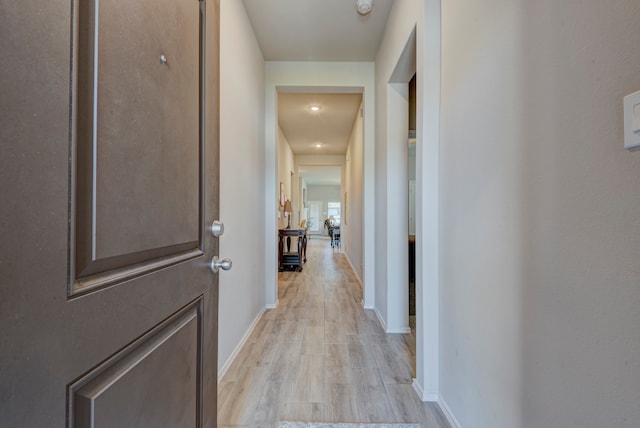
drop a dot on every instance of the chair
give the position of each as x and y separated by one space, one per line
334 232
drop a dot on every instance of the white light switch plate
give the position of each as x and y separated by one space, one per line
632 121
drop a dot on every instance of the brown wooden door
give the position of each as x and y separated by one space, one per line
109 180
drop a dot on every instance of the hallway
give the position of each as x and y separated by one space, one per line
320 357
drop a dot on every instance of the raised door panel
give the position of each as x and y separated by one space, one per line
137 138
154 382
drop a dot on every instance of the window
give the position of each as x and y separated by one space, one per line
333 210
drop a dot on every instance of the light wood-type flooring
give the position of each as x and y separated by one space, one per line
319 356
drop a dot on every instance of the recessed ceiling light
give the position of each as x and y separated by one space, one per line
314 108
318 145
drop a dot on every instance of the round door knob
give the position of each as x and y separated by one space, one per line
217 264
217 228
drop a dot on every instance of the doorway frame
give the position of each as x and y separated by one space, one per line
426 29
336 161
319 77
428 86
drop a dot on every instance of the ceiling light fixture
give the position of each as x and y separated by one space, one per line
318 145
364 6
314 108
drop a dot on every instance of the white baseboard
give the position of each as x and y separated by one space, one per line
272 305
431 397
439 400
402 330
448 413
418 389
223 370
355 272
380 319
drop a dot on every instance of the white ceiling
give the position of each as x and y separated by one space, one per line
331 126
317 30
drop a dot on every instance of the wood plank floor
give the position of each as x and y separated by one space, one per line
321 357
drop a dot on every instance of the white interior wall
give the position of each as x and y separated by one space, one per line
540 202
428 285
354 77
381 237
320 160
397 206
412 161
302 194
352 226
241 144
286 165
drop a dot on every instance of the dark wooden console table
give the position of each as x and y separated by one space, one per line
292 259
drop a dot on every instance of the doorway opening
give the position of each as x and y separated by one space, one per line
321 140
323 188
411 167
401 239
